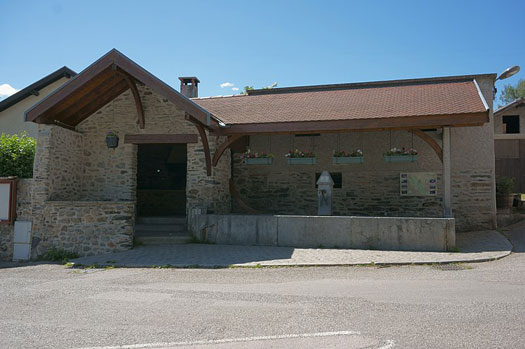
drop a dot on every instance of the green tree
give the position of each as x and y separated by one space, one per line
248 88
511 93
17 153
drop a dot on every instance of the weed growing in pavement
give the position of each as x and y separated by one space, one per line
58 255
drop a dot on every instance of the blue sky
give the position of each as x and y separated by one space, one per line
261 42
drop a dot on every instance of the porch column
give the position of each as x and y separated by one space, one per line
447 190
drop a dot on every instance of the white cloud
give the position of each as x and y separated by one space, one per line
235 88
226 84
7 90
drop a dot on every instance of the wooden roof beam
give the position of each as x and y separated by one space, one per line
95 105
379 124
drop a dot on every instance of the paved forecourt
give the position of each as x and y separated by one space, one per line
473 247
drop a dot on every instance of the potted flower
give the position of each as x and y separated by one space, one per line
400 155
345 157
297 157
504 196
111 140
257 158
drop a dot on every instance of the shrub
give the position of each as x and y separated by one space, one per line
504 185
17 153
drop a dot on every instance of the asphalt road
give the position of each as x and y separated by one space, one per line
468 306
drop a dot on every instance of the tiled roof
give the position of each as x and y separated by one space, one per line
516 103
349 102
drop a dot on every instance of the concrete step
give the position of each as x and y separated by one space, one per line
174 228
163 239
161 220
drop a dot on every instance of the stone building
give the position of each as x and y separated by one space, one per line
178 152
509 142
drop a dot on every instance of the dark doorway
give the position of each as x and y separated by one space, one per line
512 123
161 180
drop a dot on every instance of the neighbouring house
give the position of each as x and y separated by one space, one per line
509 142
13 107
179 160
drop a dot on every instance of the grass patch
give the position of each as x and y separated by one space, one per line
165 266
195 240
58 255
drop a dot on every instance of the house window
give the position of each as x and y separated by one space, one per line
336 177
511 124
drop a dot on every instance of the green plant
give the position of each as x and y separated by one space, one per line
17 153
195 240
136 242
511 93
58 255
504 185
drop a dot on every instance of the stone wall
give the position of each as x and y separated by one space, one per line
368 189
110 174
23 213
88 227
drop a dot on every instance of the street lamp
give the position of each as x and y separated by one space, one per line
507 73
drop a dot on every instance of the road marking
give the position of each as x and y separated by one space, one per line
233 340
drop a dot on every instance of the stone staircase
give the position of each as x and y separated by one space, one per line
170 230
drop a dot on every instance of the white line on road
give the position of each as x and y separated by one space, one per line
234 340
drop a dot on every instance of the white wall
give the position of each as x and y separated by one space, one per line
12 119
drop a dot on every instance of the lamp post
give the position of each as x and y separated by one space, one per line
507 73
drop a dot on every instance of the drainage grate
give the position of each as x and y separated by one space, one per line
450 267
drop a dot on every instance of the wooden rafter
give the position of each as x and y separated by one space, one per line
110 84
204 139
430 141
223 147
95 105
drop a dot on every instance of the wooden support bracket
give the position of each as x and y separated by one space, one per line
223 147
430 141
204 139
138 103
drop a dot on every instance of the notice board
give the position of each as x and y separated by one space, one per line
418 184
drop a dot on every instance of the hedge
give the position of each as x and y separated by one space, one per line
17 153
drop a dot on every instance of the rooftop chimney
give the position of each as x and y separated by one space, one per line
189 86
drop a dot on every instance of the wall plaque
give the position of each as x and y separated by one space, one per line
418 184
